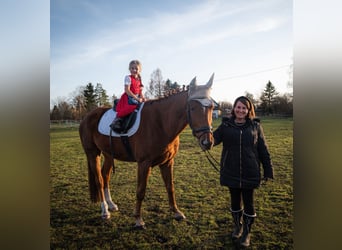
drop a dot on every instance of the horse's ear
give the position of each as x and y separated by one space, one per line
210 82
192 85
193 82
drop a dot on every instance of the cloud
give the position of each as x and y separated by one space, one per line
164 33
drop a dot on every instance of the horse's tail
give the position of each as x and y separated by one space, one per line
91 152
93 188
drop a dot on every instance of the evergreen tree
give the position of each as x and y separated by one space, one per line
170 87
55 114
90 97
101 96
267 98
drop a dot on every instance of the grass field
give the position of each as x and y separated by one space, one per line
75 222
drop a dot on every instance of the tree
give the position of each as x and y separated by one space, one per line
156 85
226 108
170 87
90 97
55 115
112 98
65 110
267 98
101 96
62 109
78 102
283 105
250 96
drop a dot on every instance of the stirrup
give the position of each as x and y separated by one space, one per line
116 125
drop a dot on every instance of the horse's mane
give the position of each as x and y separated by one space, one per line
168 95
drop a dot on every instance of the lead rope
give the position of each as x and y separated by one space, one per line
212 160
111 148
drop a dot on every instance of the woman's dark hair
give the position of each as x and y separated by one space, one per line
250 106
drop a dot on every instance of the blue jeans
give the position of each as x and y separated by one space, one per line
132 101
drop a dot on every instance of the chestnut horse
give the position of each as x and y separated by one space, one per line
156 142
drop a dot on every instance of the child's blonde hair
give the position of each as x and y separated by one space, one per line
135 62
138 63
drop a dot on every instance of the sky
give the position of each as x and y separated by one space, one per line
246 43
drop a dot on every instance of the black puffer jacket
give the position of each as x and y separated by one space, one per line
244 148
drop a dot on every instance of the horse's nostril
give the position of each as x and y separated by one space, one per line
206 143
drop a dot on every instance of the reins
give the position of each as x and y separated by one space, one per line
111 148
206 129
211 160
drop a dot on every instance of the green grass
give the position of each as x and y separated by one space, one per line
75 222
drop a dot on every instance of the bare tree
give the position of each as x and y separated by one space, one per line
156 85
251 97
79 103
283 105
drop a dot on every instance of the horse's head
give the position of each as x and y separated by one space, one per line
200 110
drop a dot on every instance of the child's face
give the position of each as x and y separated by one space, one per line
134 69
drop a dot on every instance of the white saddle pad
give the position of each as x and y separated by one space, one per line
107 119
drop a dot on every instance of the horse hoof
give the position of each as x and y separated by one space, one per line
180 217
106 216
139 227
113 208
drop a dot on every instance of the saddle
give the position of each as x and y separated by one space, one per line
123 124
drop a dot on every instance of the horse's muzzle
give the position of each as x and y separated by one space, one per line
206 141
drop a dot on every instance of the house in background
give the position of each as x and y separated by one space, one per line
216 111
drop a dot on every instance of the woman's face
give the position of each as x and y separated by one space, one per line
240 110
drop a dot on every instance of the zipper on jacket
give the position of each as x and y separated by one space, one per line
240 158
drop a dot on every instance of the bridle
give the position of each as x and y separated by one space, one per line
205 102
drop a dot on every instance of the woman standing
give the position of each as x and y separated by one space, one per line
244 148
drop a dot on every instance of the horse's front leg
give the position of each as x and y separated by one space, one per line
106 173
167 174
144 171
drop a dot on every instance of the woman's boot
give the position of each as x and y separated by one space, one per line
237 215
248 221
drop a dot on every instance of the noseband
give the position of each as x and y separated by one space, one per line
205 102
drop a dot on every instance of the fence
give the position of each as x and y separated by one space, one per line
64 123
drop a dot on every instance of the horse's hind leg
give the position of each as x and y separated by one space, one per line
167 174
108 164
96 183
